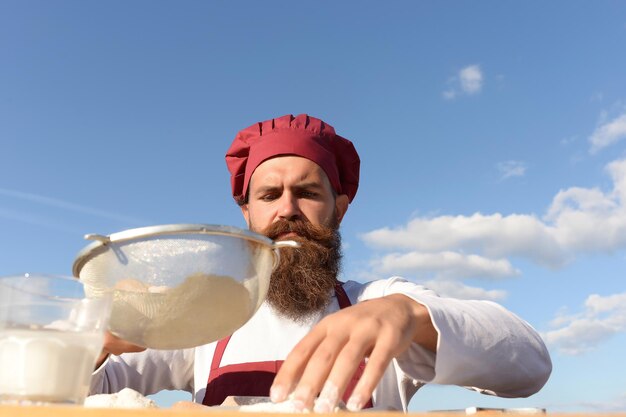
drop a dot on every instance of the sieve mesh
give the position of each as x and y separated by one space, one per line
179 290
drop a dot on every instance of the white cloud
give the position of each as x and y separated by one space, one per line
471 79
589 220
601 318
579 220
468 81
615 404
608 133
448 249
445 265
494 236
510 169
458 290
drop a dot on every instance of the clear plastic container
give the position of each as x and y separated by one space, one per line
50 337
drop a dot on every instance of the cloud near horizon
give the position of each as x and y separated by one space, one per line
451 265
578 221
601 318
616 404
462 291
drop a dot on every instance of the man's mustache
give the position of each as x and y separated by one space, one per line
304 229
288 226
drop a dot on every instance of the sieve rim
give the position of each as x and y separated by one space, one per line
139 233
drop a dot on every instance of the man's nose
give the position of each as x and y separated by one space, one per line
289 208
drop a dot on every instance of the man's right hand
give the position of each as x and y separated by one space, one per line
116 346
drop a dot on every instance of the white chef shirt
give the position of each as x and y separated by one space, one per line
481 346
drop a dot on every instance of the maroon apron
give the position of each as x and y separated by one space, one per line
256 378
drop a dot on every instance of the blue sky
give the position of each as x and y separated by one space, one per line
492 137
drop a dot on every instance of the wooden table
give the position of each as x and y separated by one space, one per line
75 411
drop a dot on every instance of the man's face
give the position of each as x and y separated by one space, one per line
291 188
291 198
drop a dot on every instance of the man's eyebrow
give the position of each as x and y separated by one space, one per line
309 185
266 188
302 185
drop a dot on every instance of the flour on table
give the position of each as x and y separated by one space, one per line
287 406
126 398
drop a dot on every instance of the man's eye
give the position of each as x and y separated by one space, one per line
308 194
268 197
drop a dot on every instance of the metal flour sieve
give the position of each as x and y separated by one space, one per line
181 285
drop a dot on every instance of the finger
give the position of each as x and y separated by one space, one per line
374 370
293 366
343 370
316 372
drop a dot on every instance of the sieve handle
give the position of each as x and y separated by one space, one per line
285 244
282 244
99 238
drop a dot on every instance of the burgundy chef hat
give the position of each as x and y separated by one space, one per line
302 135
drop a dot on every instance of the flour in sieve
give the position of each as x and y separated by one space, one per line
133 308
202 309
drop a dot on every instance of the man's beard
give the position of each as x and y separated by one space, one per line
302 283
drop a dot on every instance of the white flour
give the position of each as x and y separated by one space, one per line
202 309
287 406
126 398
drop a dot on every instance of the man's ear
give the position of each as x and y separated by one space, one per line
341 206
246 214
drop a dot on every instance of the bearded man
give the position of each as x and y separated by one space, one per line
317 340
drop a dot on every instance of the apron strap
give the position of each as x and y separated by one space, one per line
342 297
217 356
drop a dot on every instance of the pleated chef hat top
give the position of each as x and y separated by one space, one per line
302 135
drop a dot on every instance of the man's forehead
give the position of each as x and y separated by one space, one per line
288 168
